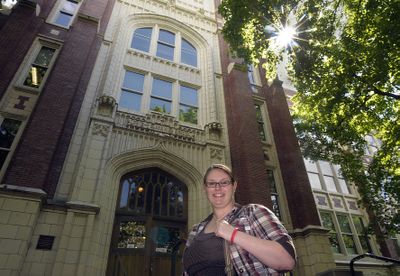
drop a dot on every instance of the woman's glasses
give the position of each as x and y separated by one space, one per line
214 184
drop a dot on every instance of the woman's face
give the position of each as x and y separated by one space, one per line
220 196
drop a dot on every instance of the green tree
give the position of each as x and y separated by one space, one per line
345 66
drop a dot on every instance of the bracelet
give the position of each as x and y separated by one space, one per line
234 234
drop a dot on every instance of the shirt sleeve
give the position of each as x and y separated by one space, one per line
266 225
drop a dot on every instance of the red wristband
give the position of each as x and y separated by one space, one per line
234 234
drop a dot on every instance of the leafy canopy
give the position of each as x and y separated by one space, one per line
345 67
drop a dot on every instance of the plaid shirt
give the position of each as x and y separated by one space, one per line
258 221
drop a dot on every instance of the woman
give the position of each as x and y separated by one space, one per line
258 243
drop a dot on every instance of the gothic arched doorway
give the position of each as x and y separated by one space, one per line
151 217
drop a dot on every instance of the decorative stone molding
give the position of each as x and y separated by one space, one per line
160 125
214 130
100 129
106 105
216 154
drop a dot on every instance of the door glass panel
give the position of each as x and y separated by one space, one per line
165 237
132 234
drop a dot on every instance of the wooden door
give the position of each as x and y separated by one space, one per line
151 218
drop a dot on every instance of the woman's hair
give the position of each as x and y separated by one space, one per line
222 167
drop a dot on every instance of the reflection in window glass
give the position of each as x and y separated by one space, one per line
188 106
327 222
165 238
260 122
132 90
347 235
8 131
188 53
39 67
362 234
132 234
330 183
343 186
152 192
166 45
314 180
141 39
66 13
311 166
325 167
161 96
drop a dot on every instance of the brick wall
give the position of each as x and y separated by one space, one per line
40 153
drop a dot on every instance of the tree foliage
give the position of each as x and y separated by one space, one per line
345 67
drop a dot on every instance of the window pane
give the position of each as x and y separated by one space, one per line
275 206
250 74
44 57
344 223
330 183
349 244
311 166
188 114
271 180
167 37
70 6
8 130
3 156
35 76
343 186
63 19
141 39
123 202
133 81
327 222
132 234
130 100
165 51
165 238
314 180
162 89
160 105
261 130
325 167
188 53
188 95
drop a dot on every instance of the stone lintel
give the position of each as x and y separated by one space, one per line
83 207
23 192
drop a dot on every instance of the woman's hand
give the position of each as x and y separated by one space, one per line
224 229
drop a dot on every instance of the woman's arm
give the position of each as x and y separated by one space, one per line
270 253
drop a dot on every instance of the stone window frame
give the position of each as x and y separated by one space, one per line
57 8
147 95
29 60
154 42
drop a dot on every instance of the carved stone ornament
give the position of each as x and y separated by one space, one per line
216 153
106 105
215 126
160 125
100 129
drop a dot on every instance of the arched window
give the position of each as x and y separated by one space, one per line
188 53
141 39
152 192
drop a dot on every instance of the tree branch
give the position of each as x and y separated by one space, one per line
380 92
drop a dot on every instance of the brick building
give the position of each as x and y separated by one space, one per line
110 112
